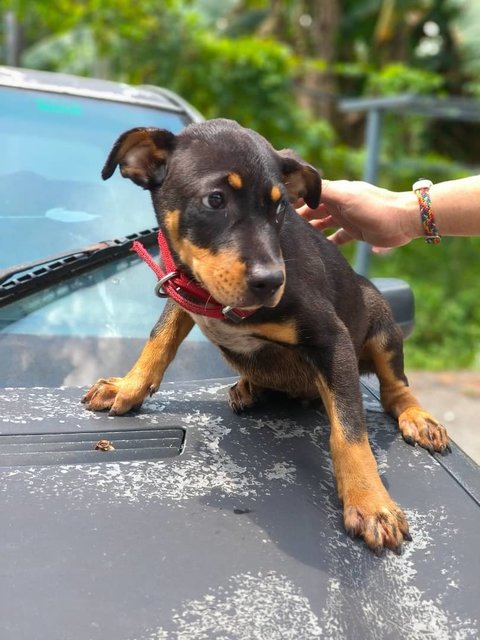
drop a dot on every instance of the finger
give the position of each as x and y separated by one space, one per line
340 237
323 224
312 214
333 191
325 185
382 250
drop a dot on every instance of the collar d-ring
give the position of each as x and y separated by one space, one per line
159 286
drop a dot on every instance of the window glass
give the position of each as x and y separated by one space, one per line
52 197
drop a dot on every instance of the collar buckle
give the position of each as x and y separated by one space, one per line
231 314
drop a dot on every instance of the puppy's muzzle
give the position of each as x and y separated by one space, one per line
265 282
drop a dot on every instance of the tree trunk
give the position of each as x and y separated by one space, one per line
319 86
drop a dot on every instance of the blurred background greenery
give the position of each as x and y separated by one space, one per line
282 68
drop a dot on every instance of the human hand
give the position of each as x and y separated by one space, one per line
364 212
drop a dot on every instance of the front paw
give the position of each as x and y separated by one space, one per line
117 395
419 427
378 520
242 396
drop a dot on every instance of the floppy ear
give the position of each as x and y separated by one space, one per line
142 155
301 179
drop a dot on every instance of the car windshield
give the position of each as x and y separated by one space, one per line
53 200
52 197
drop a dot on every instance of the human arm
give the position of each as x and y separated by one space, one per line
391 219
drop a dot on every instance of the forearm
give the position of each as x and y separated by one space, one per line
455 206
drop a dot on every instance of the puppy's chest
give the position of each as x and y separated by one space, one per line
235 338
265 353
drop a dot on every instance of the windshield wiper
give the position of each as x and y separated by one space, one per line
22 279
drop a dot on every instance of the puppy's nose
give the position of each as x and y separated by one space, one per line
264 281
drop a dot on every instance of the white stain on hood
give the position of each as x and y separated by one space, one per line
267 607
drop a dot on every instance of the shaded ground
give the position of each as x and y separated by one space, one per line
454 398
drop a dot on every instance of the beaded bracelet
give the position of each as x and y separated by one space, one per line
422 191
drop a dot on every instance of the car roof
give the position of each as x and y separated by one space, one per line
144 95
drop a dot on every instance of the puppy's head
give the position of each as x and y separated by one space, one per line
221 193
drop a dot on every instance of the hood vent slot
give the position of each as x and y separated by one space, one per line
80 448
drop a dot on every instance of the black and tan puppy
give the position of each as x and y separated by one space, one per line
223 198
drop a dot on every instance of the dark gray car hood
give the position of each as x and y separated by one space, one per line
240 536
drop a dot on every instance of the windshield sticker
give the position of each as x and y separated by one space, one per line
63 107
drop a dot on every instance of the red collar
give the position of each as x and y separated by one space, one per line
173 283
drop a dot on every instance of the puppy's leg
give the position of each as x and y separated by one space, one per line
417 426
368 509
119 395
243 395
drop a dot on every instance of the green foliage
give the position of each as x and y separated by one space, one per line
248 79
398 170
447 316
398 78
447 334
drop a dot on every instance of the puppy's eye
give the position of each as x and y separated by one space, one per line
214 200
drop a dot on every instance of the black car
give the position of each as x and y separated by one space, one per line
183 520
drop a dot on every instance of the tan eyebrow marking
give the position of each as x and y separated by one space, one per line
234 180
275 193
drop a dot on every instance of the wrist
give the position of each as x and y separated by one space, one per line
422 188
410 219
